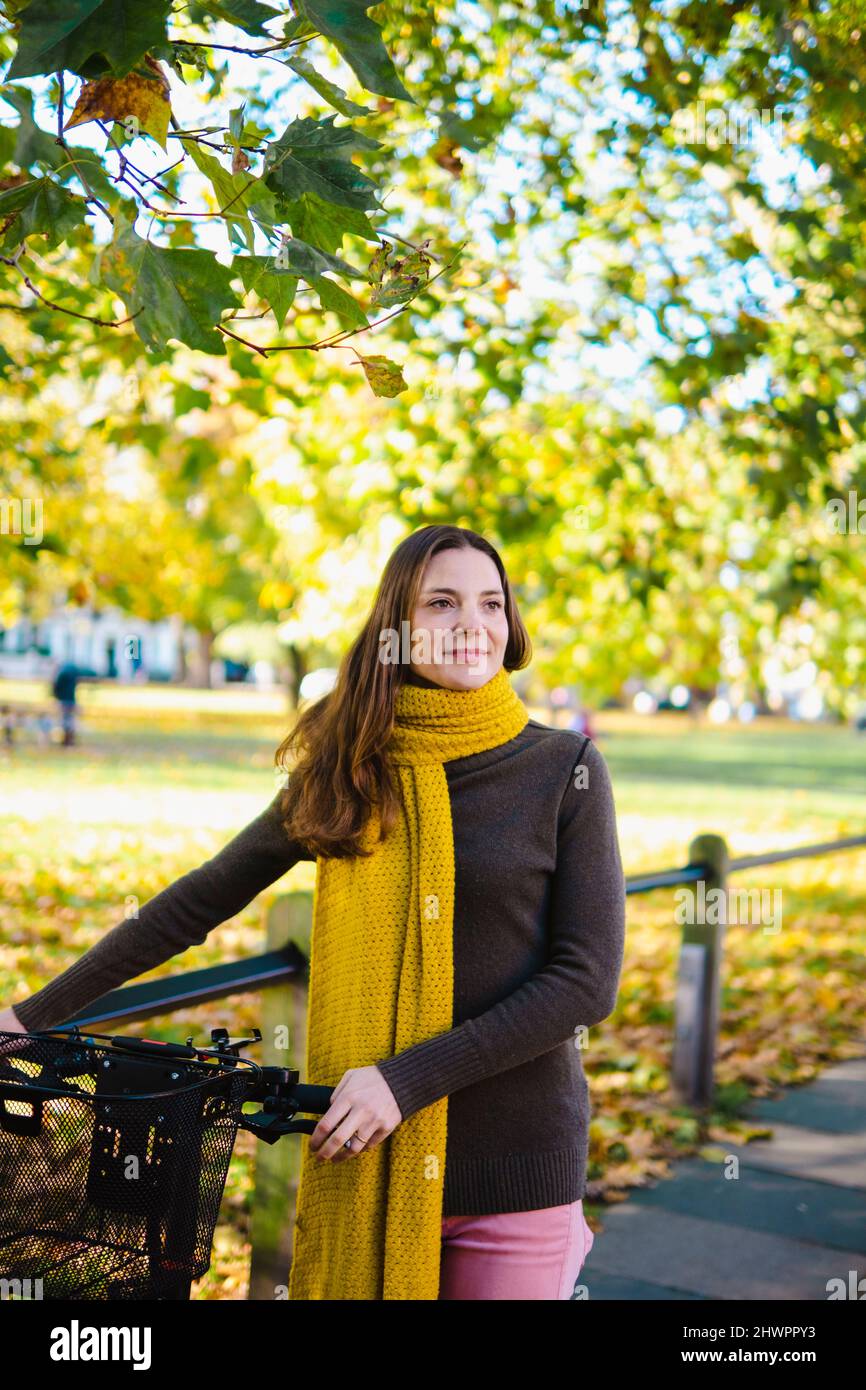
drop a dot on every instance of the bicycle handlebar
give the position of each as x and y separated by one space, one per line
74 1105
276 1116
313 1100
282 1095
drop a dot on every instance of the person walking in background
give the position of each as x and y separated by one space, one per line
64 691
468 931
580 723
7 724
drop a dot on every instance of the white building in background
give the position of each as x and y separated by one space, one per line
106 642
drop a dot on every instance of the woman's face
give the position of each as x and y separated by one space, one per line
459 630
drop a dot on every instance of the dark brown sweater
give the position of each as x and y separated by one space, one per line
539 925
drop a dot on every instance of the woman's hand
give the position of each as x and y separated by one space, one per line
362 1103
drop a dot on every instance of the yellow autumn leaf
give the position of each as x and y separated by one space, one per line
385 377
143 101
713 1154
827 999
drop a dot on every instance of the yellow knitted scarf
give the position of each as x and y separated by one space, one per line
381 980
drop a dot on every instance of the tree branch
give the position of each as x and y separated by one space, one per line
338 339
92 198
73 313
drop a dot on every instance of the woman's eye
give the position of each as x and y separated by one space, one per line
494 602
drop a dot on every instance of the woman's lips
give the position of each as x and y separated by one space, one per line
458 649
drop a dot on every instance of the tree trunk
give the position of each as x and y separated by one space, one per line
203 659
178 627
297 671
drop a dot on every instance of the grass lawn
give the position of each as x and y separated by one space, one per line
163 778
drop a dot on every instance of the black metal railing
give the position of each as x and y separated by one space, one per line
282 973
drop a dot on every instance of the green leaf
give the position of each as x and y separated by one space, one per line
314 157
298 28
7 144
69 34
242 132
40 207
357 39
322 224
188 398
5 361
236 122
333 94
276 287
309 262
333 296
181 292
384 376
461 132
177 54
236 193
406 275
35 146
248 15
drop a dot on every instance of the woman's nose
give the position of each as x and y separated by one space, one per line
468 620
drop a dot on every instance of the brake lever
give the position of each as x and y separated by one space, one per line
270 1128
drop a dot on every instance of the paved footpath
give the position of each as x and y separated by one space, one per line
794 1219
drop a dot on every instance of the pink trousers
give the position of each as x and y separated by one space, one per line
515 1254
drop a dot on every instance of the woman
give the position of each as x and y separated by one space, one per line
468 930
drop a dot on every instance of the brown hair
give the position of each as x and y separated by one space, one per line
343 768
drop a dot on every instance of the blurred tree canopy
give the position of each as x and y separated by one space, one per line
618 251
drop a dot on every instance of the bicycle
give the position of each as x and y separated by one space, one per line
114 1154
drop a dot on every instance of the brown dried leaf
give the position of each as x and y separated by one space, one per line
132 98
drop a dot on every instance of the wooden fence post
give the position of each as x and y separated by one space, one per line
278 1165
698 982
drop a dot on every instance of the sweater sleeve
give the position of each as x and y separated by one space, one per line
578 984
178 917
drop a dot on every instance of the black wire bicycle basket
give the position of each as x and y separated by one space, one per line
114 1154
